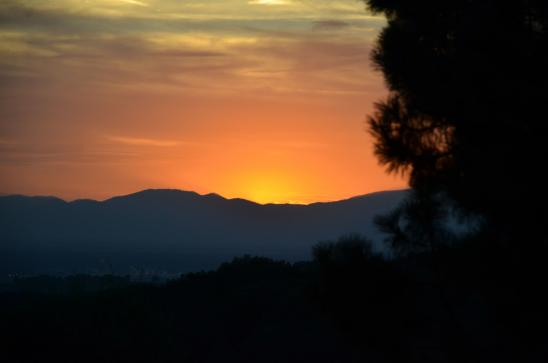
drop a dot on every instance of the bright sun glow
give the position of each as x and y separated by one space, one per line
270 188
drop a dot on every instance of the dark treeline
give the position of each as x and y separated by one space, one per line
251 309
349 304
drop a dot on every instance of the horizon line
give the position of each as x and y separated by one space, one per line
2 195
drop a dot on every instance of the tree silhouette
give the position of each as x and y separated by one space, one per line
466 109
465 118
418 225
364 293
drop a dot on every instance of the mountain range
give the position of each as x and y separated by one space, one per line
171 231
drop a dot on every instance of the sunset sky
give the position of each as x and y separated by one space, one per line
258 99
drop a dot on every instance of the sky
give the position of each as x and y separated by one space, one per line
258 99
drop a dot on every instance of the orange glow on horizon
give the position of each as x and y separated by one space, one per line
206 97
269 187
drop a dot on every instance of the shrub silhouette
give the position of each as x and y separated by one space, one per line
364 293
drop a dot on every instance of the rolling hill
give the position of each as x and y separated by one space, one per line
170 231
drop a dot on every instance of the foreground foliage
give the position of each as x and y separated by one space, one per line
349 305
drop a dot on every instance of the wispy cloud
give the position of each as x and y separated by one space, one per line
330 24
136 141
200 47
269 2
134 2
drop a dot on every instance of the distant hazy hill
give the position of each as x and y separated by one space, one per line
169 230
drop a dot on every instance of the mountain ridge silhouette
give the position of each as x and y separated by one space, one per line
171 230
211 195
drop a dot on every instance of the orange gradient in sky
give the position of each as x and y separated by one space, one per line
263 100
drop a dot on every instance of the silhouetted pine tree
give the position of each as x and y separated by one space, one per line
466 110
